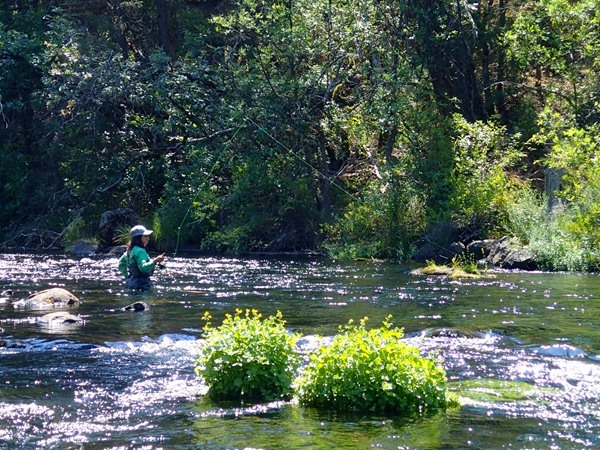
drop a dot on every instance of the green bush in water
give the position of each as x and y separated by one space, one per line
372 370
248 358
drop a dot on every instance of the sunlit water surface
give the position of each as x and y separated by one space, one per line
526 361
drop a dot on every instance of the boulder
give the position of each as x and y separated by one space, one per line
5 296
434 252
481 249
83 248
508 253
450 332
117 250
520 259
111 221
48 298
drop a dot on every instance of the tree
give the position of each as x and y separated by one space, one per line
443 41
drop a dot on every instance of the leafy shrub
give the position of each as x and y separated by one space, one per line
77 230
481 187
555 239
384 223
247 358
372 370
465 262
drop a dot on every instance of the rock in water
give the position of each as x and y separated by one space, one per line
136 307
59 318
48 298
5 296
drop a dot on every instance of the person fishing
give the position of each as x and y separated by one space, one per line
135 264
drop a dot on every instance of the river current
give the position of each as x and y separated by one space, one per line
520 349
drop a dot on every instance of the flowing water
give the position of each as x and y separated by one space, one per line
521 349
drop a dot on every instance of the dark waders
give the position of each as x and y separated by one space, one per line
137 279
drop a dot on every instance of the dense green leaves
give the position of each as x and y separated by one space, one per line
251 358
372 370
248 357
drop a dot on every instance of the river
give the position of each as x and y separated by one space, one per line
525 361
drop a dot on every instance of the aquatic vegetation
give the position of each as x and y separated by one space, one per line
488 390
372 370
248 357
461 267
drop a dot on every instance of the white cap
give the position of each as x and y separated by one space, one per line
140 230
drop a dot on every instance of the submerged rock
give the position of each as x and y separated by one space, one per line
83 248
5 296
560 350
60 318
136 307
451 332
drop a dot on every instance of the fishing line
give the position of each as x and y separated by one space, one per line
277 141
206 177
328 178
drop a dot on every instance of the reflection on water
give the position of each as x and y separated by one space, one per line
521 348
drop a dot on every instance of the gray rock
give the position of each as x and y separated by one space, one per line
117 250
481 249
111 221
5 296
450 332
83 248
48 298
519 259
501 249
508 253
439 253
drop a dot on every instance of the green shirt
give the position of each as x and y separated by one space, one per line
139 256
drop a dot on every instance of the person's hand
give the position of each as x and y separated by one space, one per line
159 258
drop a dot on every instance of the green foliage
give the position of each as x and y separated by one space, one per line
270 207
566 237
77 229
383 223
184 219
372 370
574 152
233 125
550 237
248 358
465 262
481 185
556 40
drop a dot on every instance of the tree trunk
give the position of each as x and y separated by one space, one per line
164 27
445 52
